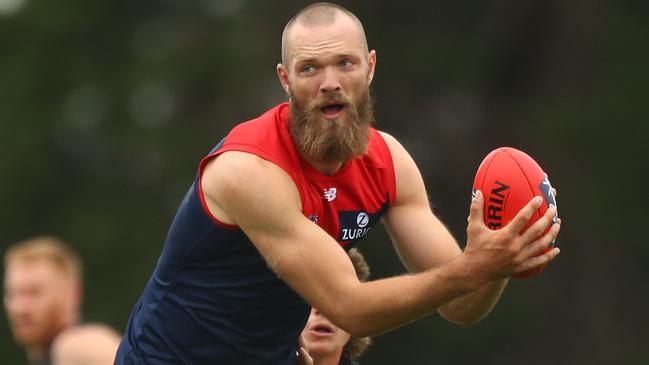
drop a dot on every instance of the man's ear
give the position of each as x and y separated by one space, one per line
371 61
283 77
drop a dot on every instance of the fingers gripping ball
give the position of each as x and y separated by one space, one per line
509 179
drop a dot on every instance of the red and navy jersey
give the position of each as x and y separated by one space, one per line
346 204
212 298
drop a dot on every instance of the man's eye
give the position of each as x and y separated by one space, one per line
346 63
308 68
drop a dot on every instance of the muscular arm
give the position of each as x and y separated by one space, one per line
262 200
423 242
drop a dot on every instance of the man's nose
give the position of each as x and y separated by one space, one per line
330 80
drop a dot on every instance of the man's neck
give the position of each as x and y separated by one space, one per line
327 168
328 359
37 354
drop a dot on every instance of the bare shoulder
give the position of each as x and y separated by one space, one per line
410 185
263 201
232 168
92 344
403 162
236 171
238 179
392 142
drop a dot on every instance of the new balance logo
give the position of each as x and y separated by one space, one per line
329 194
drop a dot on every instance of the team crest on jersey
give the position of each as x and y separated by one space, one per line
330 194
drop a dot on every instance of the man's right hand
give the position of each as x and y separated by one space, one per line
511 250
303 357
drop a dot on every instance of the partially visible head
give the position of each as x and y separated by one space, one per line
42 289
85 344
326 71
324 339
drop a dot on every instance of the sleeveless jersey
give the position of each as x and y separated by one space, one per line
212 299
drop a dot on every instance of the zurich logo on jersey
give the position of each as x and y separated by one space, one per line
362 220
355 224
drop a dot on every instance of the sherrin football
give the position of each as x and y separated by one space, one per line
509 179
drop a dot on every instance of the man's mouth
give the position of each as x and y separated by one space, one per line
322 330
331 111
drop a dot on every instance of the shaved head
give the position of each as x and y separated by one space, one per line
326 71
314 16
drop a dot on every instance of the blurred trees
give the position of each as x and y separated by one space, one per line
106 108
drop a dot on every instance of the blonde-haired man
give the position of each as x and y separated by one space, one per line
42 298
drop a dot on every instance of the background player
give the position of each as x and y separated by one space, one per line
42 298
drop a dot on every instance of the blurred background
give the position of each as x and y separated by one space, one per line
106 108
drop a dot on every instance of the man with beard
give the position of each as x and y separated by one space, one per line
260 236
42 298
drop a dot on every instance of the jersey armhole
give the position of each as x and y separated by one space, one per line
240 147
389 165
216 152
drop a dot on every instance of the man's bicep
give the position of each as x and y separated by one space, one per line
255 195
263 201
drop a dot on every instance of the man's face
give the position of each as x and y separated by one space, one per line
38 298
322 337
328 78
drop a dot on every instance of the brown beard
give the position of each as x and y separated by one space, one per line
338 140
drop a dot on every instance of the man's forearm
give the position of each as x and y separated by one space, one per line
378 306
470 308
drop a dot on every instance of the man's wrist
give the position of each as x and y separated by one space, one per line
463 272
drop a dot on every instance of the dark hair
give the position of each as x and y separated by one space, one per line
357 345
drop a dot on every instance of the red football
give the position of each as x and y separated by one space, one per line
509 179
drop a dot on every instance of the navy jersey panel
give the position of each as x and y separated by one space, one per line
212 300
